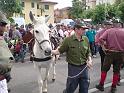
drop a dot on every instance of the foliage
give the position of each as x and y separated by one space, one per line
77 8
111 11
10 6
11 20
99 14
121 11
87 14
117 2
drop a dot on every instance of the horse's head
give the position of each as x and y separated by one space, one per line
41 33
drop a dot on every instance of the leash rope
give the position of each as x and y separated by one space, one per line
78 73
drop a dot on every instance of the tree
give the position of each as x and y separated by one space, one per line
10 6
98 15
87 14
78 7
101 13
117 2
111 11
121 11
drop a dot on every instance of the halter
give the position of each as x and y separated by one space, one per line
39 43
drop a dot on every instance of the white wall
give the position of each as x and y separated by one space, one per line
105 1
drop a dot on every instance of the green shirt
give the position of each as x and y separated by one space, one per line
77 52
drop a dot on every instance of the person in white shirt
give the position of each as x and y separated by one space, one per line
61 32
69 32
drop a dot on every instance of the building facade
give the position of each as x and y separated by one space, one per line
104 1
62 14
93 3
90 4
39 8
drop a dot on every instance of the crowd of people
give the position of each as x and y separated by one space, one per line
81 43
13 36
108 40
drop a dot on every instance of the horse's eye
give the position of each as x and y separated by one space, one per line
37 31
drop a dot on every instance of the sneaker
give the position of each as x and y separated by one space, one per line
64 91
100 87
94 56
113 89
22 61
119 83
9 90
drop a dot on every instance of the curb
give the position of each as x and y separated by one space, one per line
105 86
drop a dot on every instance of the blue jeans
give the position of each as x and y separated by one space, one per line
82 80
93 48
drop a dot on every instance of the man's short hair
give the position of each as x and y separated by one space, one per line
3 23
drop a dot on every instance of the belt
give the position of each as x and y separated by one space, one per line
114 51
77 65
2 77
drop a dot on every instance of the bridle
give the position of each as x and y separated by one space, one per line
39 44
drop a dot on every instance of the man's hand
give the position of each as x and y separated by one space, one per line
89 63
55 52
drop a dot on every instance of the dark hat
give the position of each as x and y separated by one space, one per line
3 19
80 25
107 23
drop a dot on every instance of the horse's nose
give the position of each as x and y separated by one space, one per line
48 52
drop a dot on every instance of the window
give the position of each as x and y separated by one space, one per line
37 6
46 15
23 4
32 4
47 7
22 15
88 7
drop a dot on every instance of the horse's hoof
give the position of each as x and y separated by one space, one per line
44 92
53 80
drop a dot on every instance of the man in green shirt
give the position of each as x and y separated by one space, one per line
79 60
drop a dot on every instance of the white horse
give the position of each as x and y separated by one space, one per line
42 50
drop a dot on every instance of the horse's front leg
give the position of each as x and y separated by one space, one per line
40 81
45 81
53 66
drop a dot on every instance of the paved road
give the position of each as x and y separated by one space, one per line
25 78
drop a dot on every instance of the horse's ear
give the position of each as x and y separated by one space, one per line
31 16
47 19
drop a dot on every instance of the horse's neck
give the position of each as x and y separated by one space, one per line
37 51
